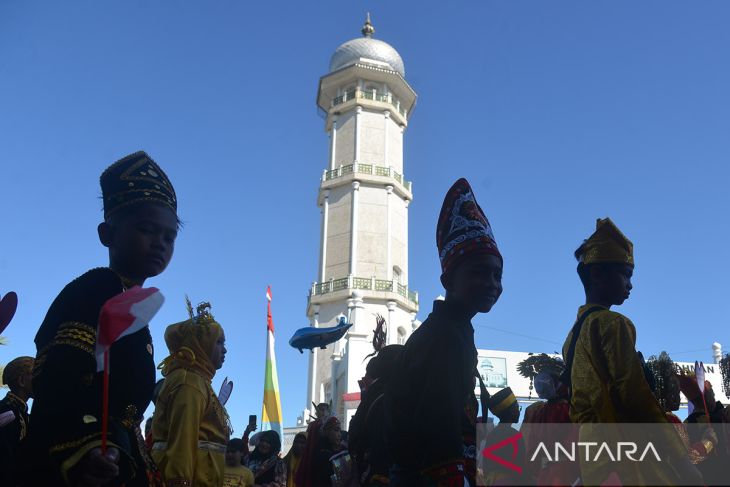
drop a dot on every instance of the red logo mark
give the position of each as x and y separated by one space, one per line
487 452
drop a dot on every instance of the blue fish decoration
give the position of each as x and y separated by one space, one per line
311 337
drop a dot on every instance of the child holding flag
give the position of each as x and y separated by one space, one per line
64 439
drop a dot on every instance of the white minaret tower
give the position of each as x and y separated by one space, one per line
364 198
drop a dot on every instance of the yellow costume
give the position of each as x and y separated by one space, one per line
238 476
191 427
608 382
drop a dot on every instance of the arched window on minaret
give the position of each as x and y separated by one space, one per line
397 274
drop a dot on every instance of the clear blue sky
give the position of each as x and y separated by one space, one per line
557 112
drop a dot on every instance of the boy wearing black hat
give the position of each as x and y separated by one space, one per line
434 379
139 230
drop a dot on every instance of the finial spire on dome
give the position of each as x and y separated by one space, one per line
368 30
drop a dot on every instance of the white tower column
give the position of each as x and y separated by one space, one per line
311 384
388 233
354 227
385 143
333 143
358 129
323 244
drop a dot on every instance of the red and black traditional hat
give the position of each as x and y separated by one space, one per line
133 179
463 229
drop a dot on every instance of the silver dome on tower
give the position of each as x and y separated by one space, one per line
367 48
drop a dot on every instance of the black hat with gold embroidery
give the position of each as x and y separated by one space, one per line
134 179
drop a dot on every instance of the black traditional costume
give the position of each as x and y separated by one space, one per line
433 384
67 416
14 418
366 439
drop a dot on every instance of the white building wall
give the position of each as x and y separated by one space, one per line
395 146
372 137
399 235
498 369
372 234
345 140
338 233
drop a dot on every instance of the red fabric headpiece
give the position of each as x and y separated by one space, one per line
463 228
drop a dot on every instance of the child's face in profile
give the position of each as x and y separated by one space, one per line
613 282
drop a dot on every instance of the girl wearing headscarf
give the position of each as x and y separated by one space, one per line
191 428
268 469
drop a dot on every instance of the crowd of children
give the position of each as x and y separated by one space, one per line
417 421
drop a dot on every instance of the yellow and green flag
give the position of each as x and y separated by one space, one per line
271 415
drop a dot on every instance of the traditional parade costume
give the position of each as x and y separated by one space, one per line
604 371
544 372
305 473
14 417
501 405
366 440
667 385
706 435
428 393
67 403
322 468
191 427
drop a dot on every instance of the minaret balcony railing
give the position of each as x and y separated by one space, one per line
364 284
369 95
366 169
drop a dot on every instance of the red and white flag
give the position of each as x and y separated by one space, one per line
269 319
123 315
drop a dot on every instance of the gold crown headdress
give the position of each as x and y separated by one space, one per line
202 312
